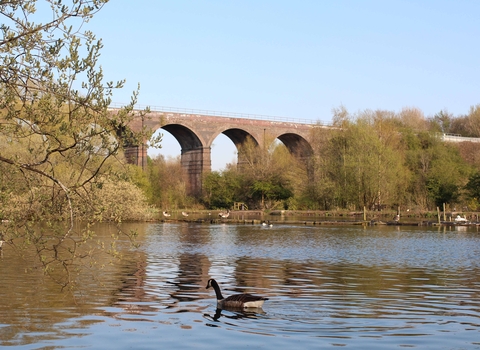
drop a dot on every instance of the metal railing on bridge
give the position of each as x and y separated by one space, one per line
225 114
457 138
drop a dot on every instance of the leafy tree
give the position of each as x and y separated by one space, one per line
441 122
266 173
438 171
473 189
467 125
222 188
168 184
59 141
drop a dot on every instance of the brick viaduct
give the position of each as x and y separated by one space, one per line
196 132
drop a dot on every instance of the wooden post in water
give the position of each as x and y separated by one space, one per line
364 214
438 214
444 215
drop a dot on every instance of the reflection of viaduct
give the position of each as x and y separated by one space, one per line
196 133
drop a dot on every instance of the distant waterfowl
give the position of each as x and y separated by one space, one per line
166 214
236 301
224 215
460 219
396 218
184 213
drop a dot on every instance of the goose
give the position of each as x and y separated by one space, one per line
396 218
166 214
236 301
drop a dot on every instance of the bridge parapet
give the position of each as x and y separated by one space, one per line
202 112
458 138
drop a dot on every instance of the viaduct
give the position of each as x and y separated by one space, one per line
196 132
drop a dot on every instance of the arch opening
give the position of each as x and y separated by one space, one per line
194 157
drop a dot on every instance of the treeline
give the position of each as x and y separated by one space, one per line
374 159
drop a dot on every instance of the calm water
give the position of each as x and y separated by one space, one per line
350 287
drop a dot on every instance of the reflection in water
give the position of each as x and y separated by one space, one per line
234 314
332 286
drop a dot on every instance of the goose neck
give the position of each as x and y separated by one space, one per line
218 292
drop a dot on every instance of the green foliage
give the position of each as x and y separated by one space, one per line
381 158
59 157
473 189
221 189
168 184
116 201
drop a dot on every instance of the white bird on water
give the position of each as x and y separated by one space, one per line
224 215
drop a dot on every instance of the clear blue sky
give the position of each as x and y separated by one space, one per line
296 59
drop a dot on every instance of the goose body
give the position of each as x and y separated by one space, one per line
236 301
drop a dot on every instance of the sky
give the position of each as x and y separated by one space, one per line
297 59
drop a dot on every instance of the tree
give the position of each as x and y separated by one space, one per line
168 182
467 125
473 189
441 122
59 140
437 170
221 188
265 173
364 160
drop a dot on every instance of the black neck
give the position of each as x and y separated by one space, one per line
215 286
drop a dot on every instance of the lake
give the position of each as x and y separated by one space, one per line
356 287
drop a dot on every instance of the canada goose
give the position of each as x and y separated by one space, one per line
236 301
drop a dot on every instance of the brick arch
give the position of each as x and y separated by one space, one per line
196 132
238 137
297 145
195 156
187 138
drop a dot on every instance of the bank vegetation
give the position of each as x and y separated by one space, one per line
373 159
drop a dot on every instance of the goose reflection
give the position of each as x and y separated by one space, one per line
234 314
